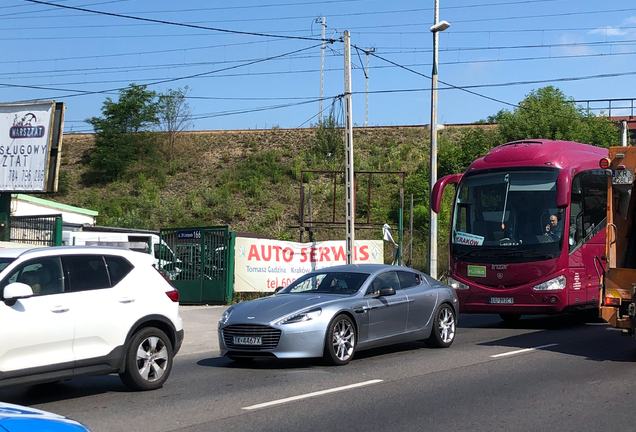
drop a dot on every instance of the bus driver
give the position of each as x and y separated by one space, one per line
553 229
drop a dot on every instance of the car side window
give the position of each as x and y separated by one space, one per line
118 268
408 279
388 279
43 275
86 272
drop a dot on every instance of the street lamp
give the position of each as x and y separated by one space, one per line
438 26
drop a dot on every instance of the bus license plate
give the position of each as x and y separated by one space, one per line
501 300
623 177
247 340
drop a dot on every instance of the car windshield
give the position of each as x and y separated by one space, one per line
327 282
501 212
5 262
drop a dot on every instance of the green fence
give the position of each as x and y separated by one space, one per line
201 263
36 230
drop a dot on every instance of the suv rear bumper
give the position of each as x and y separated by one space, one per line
178 341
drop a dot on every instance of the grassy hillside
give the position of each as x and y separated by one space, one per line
250 180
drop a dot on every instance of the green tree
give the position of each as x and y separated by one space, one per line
455 157
174 116
547 113
329 138
122 132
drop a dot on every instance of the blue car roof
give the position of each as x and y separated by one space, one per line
16 418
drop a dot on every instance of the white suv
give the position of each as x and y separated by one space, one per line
86 310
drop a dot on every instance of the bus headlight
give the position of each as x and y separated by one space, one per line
457 284
558 283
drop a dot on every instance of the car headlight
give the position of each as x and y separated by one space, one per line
226 316
457 284
300 317
558 283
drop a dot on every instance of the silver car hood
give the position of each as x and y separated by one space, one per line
268 309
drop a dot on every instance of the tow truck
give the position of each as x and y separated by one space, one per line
618 284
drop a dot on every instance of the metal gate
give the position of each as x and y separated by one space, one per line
202 263
36 230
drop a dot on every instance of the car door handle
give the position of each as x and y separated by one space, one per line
59 309
126 300
362 309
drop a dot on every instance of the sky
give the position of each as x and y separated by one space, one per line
256 64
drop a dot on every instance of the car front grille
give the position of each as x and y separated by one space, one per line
270 336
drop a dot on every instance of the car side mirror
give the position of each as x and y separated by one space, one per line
387 291
15 291
278 289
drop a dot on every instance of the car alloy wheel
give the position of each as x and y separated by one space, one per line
341 340
444 326
148 360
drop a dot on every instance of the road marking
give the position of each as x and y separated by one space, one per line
522 351
309 395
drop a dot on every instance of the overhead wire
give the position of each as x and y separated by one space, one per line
163 81
174 23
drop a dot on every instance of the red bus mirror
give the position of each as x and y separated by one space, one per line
563 188
438 189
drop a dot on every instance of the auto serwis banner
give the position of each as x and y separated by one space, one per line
262 265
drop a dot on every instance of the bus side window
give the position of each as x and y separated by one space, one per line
588 206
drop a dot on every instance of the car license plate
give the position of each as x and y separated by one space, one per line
623 177
501 300
247 340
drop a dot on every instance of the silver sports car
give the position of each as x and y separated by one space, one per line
335 311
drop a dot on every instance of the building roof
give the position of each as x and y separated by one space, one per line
55 205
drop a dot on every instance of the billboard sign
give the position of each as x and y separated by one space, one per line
26 146
263 265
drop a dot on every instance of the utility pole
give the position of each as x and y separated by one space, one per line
432 236
322 64
366 75
349 173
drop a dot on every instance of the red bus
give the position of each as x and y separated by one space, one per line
528 229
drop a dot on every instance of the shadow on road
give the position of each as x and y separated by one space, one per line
62 390
530 322
260 363
275 364
578 334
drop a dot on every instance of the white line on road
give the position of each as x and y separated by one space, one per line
522 350
309 395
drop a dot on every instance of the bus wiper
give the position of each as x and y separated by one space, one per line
528 254
472 251
538 254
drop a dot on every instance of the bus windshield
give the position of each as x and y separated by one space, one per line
507 216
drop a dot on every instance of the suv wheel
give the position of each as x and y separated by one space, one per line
148 360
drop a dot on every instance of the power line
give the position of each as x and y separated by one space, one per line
198 10
339 70
97 70
230 7
83 93
278 18
174 23
137 53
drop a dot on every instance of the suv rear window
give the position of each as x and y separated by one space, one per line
118 268
86 272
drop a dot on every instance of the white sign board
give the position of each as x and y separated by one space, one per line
263 265
468 239
25 138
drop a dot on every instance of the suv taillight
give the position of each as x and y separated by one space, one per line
173 295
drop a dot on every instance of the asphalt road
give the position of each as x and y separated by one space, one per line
579 376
